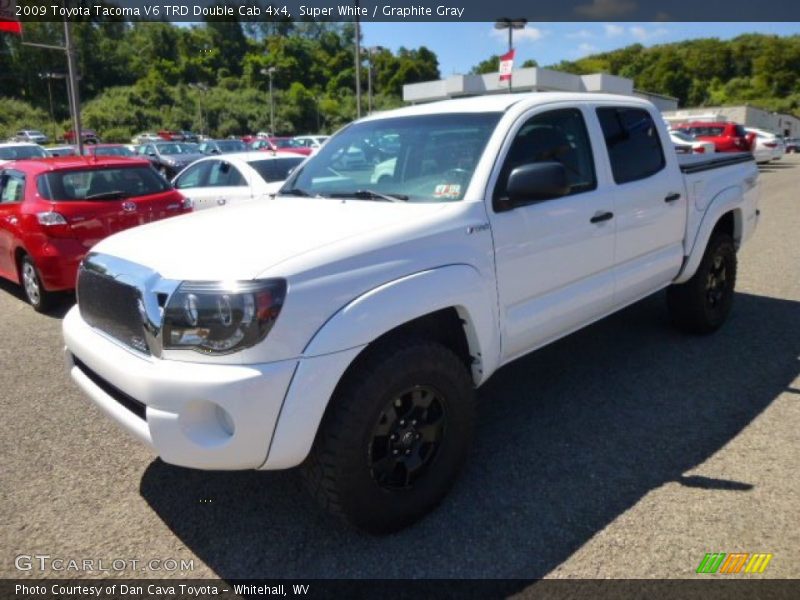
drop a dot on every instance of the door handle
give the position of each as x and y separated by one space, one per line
12 220
672 197
222 201
601 216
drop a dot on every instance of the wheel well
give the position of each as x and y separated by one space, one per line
728 224
18 254
443 326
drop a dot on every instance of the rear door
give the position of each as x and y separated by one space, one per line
650 201
554 257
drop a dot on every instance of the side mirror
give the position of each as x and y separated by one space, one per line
153 154
534 182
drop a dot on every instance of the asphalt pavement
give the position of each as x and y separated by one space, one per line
625 450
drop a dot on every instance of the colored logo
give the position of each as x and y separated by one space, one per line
741 562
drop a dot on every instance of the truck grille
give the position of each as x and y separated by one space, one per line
112 307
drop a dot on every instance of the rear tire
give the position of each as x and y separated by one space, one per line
702 304
40 299
395 436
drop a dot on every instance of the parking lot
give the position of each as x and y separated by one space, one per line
625 450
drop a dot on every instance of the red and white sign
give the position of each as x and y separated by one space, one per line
8 17
506 65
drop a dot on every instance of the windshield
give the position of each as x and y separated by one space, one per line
100 184
285 143
682 136
177 148
232 146
276 169
19 152
111 151
422 158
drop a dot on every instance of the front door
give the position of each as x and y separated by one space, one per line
554 257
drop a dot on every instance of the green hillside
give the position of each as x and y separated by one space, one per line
761 70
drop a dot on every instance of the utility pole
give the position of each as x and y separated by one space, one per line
271 71
49 77
72 81
73 87
370 51
358 63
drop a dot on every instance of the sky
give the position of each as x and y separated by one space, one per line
460 46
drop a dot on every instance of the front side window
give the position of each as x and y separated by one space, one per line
634 147
12 186
194 176
223 174
560 136
100 184
431 158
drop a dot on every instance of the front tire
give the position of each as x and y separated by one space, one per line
394 437
40 299
702 304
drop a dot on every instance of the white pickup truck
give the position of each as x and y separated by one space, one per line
345 324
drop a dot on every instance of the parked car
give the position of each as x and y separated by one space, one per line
768 146
61 150
232 178
169 158
171 136
20 150
108 150
688 144
30 135
89 136
288 144
311 141
143 138
222 146
189 136
344 327
726 136
53 211
792 145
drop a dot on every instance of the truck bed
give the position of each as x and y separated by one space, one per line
694 163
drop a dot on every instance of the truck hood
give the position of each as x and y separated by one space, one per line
244 240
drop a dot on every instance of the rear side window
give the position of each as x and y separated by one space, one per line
740 131
12 186
275 169
100 184
634 147
707 131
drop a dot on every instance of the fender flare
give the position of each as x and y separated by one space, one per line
728 200
392 304
344 336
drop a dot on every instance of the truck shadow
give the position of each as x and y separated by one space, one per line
568 439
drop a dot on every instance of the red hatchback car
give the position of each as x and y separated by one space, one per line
53 210
727 136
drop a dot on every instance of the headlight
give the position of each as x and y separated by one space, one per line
220 318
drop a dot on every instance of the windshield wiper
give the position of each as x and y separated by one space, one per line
115 195
294 192
371 195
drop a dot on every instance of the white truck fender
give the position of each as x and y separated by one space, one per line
729 199
339 341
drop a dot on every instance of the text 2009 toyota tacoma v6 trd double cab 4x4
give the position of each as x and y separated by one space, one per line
345 324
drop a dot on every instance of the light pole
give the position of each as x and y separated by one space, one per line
511 25
270 71
358 63
370 51
50 76
202 88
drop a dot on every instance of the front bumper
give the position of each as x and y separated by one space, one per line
198 415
